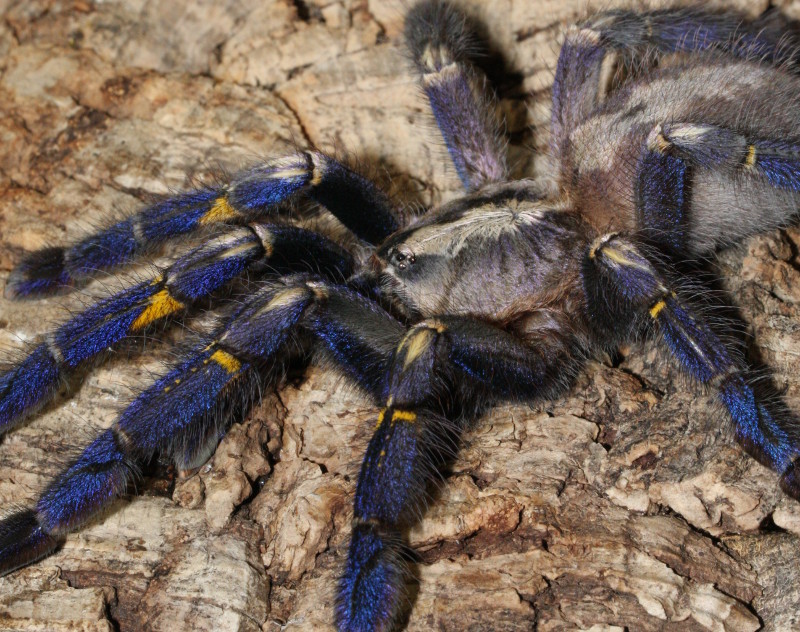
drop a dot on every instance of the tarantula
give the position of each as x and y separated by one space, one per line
502 294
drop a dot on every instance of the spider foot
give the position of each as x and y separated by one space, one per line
22 541
370 591
40 272
54 270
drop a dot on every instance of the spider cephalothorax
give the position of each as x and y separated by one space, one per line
515 247
502 294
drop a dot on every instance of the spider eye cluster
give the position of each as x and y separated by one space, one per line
401 259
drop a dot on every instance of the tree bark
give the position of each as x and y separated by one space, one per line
623 505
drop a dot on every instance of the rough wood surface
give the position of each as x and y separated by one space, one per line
625 505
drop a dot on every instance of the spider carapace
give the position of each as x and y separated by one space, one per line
690 143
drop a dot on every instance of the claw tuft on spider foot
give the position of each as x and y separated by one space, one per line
370 591
97 477
22 541
41 272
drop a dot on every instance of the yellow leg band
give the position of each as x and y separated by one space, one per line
750 160
404 415
397 415
655 310
161 305
381 415
222 211
226 360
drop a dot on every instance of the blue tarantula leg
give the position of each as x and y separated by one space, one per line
443 43
352 198
689 30
52 269
662 194
443 368
184 412
776 160
701 145
191 278
745 178
356 201
188 408
577 87
713 147
623 286
33 381
204 386
100 474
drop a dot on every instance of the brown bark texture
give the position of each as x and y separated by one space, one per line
623 505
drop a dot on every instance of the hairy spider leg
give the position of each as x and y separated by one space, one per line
197 275
577 87
711 146
662 198
251 195
185 412
677 155
444 45
691 30
623 284
443 372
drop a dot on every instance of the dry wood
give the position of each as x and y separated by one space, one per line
625 505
